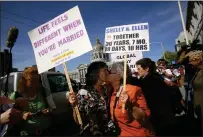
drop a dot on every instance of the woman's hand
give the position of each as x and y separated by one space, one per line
46 112
72 98
11 116
26 115
124 97
138 114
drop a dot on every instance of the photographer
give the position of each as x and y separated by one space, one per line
196 60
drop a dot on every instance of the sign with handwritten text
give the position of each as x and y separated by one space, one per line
127 38
132 58
59 40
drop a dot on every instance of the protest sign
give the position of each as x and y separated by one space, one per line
59 40
132 58
127 38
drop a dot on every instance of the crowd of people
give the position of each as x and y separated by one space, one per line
155 100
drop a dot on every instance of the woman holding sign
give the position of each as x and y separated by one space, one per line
93 101
134 121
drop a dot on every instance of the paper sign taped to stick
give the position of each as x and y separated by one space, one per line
127 38
132 58
59 40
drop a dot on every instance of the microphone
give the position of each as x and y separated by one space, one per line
12 36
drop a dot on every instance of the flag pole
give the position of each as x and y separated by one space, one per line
183 23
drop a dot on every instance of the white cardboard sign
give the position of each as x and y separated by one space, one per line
127 38
59 40
132 58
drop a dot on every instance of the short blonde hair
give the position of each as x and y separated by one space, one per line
195 54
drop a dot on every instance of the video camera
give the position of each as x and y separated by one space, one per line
187 49
183 60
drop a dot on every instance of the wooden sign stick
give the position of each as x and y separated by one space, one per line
71 91
124 79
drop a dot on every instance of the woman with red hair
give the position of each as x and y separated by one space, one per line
29 87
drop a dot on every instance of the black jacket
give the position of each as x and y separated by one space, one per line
157 95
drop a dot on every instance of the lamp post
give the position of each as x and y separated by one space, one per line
163 50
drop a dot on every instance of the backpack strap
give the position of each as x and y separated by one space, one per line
117 96
116 102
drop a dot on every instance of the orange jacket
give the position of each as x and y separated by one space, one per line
133 128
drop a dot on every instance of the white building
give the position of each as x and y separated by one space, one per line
74 75
194 24
180 40
96 55
194 20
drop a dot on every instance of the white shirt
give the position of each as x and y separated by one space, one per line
168 71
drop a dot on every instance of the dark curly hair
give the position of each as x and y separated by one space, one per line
147 63
92 75
162 61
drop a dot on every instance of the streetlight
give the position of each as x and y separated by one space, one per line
163 50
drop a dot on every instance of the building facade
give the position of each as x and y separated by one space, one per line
181 41
194 20
96 55
194 24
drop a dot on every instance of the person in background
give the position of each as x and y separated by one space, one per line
29 87
165 72
196 60
92 100
135 120
173 79
157 96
